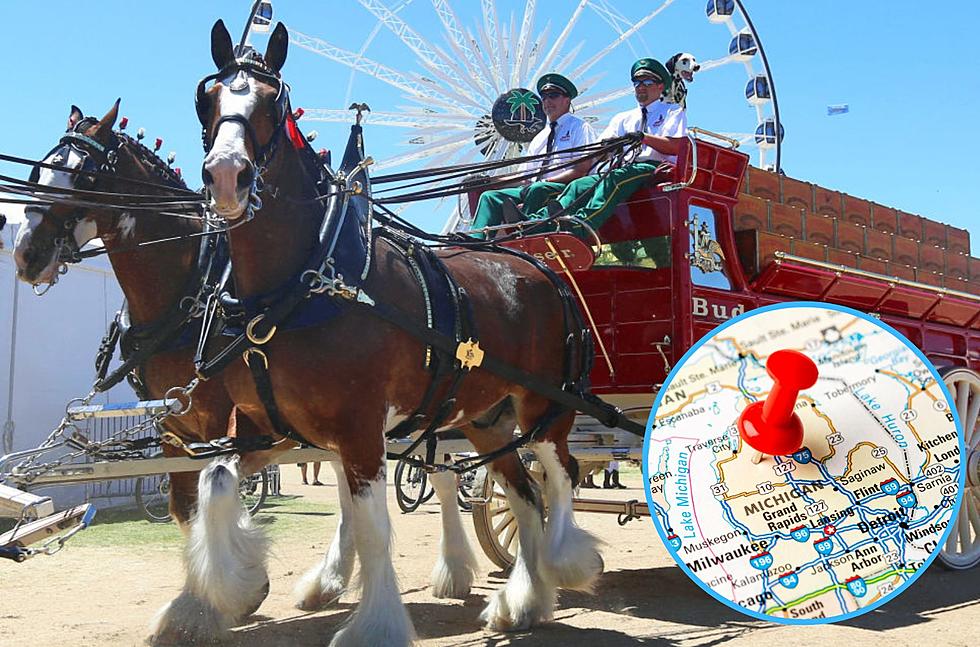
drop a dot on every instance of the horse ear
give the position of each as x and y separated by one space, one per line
109 120
222 51
103 132
275 53
74 116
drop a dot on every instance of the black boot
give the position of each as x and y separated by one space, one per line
615 481
605 480
589 482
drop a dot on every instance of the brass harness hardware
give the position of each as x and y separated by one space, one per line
250 331
469 353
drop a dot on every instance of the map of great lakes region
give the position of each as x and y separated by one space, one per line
837 526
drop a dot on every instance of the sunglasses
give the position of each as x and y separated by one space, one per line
552 95
646 82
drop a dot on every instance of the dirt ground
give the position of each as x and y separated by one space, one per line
89 595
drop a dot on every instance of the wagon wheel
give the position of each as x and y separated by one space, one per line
495 525
253 490
153 495
466 490
412 487
962 549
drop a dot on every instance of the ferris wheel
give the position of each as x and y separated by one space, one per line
452 71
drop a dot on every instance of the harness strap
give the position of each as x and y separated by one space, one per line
441 363
476 462
107 348
605 413
263 386
152 339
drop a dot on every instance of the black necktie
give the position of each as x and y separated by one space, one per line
643 126
551 136
550 148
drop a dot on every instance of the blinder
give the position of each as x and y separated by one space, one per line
95 157
203 106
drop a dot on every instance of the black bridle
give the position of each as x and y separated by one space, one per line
248 66
96 157
98 164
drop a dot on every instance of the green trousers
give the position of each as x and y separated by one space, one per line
489 211
616 186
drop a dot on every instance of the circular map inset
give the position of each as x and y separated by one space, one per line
840 526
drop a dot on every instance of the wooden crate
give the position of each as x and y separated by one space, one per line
906 272
933 233
756 249
785 220
909 225
905 251
820 229
796 193
872 265
877 244
857 210
932 259
850 237
814 251
751 213
957 266
840 257
827 202
929 278
884 219
763 184
957 240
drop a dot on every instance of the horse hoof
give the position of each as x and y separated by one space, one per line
395 630
187 620
575 563
263 594
315 592
500 615
319 601
451 583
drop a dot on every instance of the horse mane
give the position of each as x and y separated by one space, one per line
155 162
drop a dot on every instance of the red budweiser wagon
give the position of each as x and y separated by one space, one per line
680 258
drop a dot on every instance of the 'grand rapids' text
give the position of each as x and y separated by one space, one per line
780 511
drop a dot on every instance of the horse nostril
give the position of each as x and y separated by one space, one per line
207 177
246 176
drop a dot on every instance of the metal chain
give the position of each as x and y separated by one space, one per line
121 445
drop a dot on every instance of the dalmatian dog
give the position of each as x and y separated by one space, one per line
682 67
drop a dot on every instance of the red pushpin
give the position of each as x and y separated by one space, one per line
770 426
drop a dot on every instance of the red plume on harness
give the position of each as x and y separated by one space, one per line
295 136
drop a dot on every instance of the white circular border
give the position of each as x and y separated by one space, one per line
961 482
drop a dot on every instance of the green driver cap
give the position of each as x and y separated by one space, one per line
555 81
651 67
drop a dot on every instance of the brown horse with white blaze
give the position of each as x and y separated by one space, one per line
155 278
369 374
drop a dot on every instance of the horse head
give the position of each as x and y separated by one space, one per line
53 230
90 170
242 115
257 161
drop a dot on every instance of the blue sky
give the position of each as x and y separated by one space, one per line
906 69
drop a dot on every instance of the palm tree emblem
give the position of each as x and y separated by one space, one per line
522 104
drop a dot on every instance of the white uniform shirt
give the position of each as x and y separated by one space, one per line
664 119
571 132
